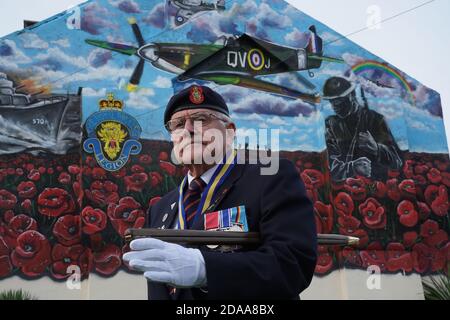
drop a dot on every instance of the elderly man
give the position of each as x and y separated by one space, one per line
226 195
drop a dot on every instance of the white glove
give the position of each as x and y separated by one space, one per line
168 263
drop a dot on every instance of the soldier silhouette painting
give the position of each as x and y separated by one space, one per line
358 139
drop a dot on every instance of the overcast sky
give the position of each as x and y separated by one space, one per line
416 42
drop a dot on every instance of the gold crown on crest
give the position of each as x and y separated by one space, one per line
110 103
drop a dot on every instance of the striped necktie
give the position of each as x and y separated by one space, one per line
192 199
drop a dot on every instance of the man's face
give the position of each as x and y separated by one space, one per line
344 106
200 135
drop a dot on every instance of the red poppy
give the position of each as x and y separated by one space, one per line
446 251
94 220
325 214
7 200
168 167
127 214
119 174
74 169
78 191
420 182
145 159
32 254
409 238
356 188
67 230
313 178
50 171
420 169
392 190
102 193
64 178
374 255
8 215
398 258
29 166
312 194
440 204
19 172
441 165
108 261
446 178
407 213
308 165
423 209
17 225
434 176
155 178
421 257
374 214
54 202
34 175
324 260
27 190
135 182
163 156
344 204
426 257
408 169
65 257
319 224
153 201
407 188
86 171
432 234
99 174
90 161
381 189
431 193
26 206
5 262
137 169
393 173
351 256
349 225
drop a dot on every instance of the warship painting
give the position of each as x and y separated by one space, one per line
37 122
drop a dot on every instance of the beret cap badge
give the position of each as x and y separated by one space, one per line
196 95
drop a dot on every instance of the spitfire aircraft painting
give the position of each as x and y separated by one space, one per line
236 62
186 9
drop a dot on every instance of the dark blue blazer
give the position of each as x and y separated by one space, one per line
277 207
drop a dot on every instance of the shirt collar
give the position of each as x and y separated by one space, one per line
206 176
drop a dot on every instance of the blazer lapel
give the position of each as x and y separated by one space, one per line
168 213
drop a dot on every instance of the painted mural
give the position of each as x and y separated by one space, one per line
84 151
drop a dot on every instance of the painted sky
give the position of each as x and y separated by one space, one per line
56 56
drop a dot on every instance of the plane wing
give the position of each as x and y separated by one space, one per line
117 47
250 82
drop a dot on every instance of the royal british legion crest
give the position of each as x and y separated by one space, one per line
113 135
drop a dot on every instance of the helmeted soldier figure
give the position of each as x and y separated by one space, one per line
358 139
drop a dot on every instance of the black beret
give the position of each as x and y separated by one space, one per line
195 97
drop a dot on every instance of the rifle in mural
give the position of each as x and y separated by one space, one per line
235 62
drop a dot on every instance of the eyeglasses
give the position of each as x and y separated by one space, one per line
179 123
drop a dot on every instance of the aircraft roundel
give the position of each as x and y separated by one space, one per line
256 59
